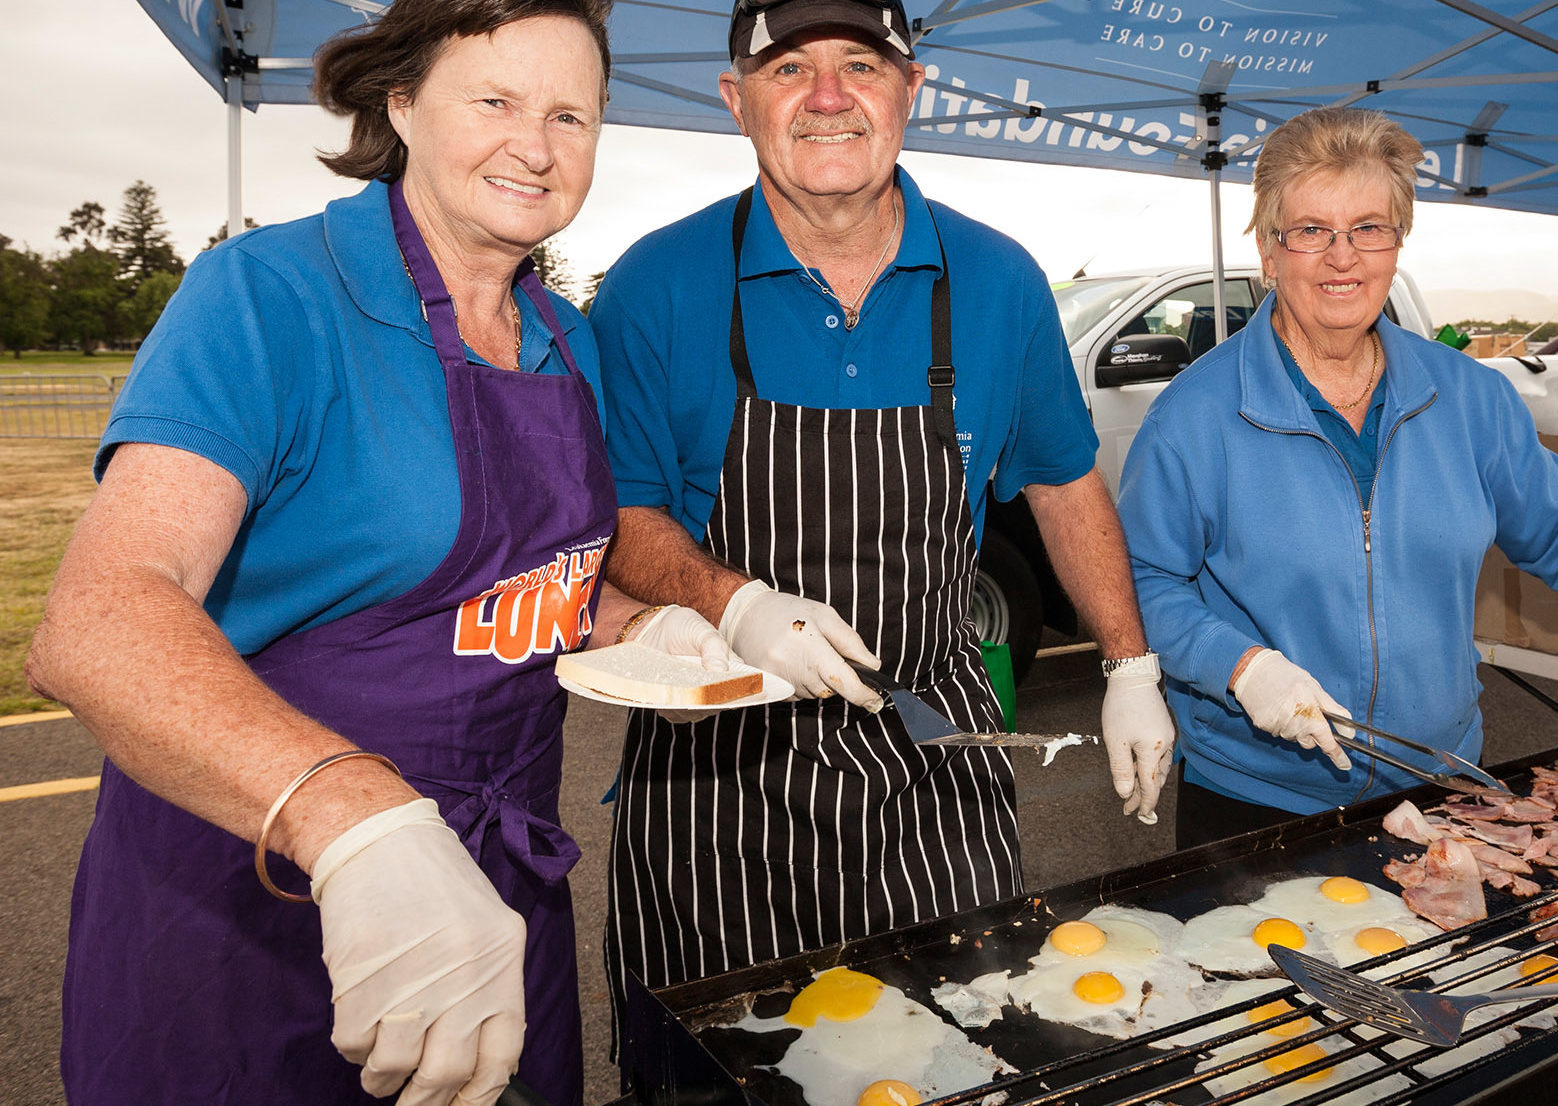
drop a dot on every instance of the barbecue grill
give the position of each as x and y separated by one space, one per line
686 1050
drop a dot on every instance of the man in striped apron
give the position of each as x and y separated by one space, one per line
809 388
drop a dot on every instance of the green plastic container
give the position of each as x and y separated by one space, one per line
998 663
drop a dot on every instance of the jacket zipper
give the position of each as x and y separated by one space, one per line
1366 509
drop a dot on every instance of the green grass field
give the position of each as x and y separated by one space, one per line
64 361
44 487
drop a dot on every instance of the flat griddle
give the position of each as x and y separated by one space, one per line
684 1050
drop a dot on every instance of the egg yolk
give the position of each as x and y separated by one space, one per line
1098 987
1284 1062
838 994
1377 940
1077 938
1278 931
1538 963
889 1092
1275 1009
1345 889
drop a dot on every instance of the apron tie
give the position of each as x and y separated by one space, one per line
536 844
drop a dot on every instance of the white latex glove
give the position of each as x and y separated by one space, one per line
1282 699
683 632
1138 735
426 961
802 640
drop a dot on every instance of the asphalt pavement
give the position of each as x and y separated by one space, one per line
1067 812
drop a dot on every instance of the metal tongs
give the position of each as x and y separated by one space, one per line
1476 781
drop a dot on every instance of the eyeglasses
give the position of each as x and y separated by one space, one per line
1369 237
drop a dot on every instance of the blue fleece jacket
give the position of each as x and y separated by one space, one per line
1246 527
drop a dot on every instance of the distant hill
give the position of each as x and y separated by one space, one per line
1448 305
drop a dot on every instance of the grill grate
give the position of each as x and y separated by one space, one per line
684 1048
1050 1083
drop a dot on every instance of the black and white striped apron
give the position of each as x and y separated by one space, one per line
758 833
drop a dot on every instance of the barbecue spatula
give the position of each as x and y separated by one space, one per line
1420 1015
920 719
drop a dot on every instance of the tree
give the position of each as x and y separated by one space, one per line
87 295
553 269
591 286
141 237
87 221
221 235
139 312
24 299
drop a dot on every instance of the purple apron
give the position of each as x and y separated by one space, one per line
186 982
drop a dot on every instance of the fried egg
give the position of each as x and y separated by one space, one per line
1509 975
974 1004
1326 904
1110 973
1218 994
1299 1056
863 1043
1234 938
1112 935
1364 942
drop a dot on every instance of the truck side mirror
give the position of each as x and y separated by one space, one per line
1141 358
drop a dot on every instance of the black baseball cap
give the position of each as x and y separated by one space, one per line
755 25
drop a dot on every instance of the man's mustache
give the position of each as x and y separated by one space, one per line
813 124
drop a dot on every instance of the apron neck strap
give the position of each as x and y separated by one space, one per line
940 375
438 305
745 389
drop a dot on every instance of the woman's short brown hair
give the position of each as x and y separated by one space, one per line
1337 140
357 71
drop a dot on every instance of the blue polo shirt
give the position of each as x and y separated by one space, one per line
662 322
296 357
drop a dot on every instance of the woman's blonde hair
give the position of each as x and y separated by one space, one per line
1336 140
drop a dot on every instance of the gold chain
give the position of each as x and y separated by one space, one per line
515 307
1367 388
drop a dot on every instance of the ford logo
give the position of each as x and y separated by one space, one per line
1121 348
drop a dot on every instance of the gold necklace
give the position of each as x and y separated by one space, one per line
1367 388
852 309
515 308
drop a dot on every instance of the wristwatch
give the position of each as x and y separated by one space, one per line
1120 663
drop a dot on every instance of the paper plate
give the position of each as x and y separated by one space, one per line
774 689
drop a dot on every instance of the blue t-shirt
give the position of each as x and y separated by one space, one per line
296 357
662 321
1359 450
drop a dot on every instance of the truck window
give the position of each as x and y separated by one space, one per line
1188 312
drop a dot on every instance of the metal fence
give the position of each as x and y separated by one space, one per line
65 405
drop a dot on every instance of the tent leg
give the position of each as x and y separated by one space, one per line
1218 308
234 156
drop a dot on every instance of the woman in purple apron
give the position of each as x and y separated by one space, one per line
354 504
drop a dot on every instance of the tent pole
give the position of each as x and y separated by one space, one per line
1217 257
234 155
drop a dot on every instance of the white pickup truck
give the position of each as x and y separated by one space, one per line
1129 334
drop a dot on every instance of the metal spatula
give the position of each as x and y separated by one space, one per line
1423 1016
922 721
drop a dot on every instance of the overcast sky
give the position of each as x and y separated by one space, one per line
95 98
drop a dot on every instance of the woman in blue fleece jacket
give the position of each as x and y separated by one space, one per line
1308 505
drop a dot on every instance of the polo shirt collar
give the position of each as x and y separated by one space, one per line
764 251
361 238
360 235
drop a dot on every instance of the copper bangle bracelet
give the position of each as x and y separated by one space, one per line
281 801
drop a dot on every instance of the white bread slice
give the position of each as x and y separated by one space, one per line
643 675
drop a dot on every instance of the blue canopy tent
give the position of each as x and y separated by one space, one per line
1181 88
